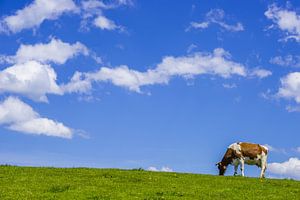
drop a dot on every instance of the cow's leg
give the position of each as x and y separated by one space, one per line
242 163
236 166
263 166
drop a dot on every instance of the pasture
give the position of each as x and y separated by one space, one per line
28 183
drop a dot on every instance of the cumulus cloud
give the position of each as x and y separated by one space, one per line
290 87
31 79
55 51
286 20
200 25
36 79
33 15
217 16
96 6
31 74
78 84
217 63
93 6
287 169
18 116
105 24
163 169
124 2
36 13
286 61
93 13
260 73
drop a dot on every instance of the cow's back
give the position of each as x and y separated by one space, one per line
252 150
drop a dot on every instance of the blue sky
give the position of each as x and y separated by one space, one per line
165 85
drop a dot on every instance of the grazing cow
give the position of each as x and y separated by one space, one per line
241 153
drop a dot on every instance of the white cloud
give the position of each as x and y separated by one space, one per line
200 25
166 169
217 16
90 9
267 94
32 76
233 28
260 73
33 15
92 13
96 6
287 169
290 87
31 79
36 13
151 168
286 20
229 86
190 49
78 84
292 108
93 6
124 77
42 126
163 169
124 2
55 51
105 24
218 63
18 116
287 61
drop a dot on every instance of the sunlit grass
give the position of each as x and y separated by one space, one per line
82 183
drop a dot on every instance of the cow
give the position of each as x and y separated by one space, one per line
242 153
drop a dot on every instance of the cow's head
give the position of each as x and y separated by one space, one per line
222 168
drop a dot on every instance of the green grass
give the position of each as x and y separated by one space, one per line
81 183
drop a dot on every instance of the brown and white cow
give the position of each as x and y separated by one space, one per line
242 153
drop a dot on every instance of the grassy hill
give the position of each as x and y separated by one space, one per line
81 183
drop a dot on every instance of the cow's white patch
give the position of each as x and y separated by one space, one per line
265 148
236 147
